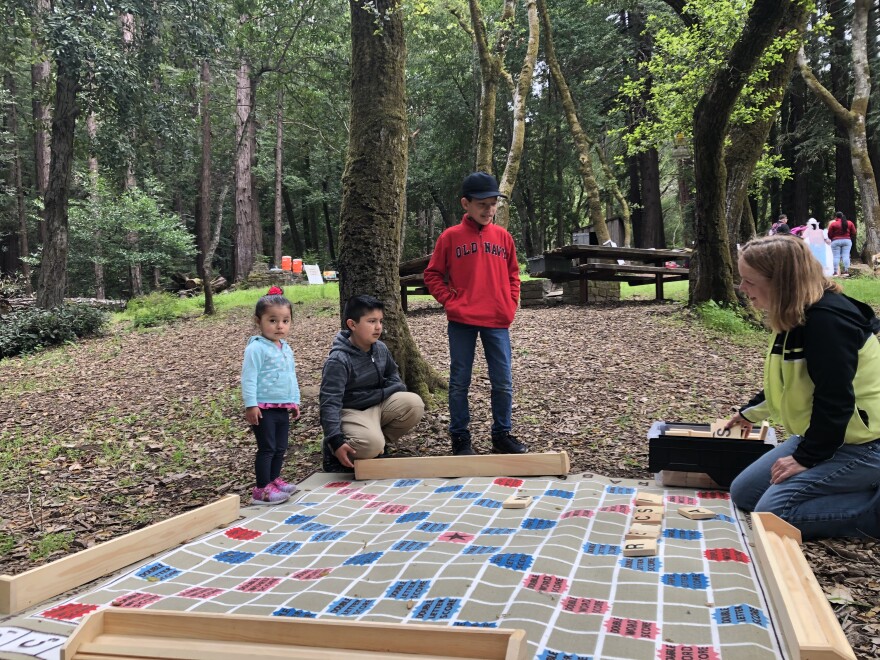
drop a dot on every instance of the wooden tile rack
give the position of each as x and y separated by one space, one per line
112 634
491 465
808 624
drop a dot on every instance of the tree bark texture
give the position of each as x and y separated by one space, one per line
16 185
244 249
53 265
374 181
855 120
291 221
520 99
97 243
711 264
491 72
746 141
581 140
844 189
279 137
203 212
40 94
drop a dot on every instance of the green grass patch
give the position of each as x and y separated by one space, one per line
161 308
677 291
866 289
50 544
724 320
7 543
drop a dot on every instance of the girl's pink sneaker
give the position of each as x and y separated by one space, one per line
285 487
268 495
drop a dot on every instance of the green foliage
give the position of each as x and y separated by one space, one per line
723 319
154 309
32 329
101 227
7 543
51 543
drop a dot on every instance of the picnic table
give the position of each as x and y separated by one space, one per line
412 279
635 266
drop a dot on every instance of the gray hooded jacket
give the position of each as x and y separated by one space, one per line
356 379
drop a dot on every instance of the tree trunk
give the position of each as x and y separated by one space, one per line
491 72
711 264
844 190
331 249
53 265
16 185
581 141
244 252
448 217
41 92
614 189
855 119
746 141
97 243
520 98
291 221
374 183
203 209
653 230
279 134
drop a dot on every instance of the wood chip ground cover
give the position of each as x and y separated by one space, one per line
107 436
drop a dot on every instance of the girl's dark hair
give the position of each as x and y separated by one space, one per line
274 298
840 215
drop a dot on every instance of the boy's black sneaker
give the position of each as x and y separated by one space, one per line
461 446
504 443
331 463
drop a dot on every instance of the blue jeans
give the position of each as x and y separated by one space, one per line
838 497
840 249
462 346
271 434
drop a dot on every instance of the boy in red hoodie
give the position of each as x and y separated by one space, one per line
474 274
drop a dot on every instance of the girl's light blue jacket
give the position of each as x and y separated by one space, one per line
268 374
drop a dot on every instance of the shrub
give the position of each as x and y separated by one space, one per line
152 310
31 329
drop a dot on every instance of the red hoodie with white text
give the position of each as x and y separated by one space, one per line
474 274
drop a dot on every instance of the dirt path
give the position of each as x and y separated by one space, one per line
109 435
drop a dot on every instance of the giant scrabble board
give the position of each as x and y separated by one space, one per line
445 552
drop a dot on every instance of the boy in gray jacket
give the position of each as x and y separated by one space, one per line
364 403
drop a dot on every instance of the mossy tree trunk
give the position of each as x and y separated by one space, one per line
712 265
746 141
520 96
581 140
854 119
374 181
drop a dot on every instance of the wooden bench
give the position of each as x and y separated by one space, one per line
632 274
412 280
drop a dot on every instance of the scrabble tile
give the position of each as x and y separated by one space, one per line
517 502
646 548
648 499
639 531
648 518
639 510
696 512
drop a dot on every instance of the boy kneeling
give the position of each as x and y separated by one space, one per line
364 403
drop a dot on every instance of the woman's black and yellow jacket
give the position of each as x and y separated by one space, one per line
822 379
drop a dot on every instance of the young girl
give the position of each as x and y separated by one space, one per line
270 393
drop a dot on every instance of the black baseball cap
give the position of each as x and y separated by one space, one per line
480 185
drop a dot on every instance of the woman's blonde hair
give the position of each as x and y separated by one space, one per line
794 274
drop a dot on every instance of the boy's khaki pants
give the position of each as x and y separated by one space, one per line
368 430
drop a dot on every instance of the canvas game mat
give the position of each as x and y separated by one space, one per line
444 551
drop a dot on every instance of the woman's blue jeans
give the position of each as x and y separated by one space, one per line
840 249
462 346
838 497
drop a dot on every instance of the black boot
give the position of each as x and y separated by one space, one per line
461 445
504 443
331 463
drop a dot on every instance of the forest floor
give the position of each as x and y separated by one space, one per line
114 433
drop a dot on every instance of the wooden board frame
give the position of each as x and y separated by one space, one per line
808 623
491 465
19 592
127 633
